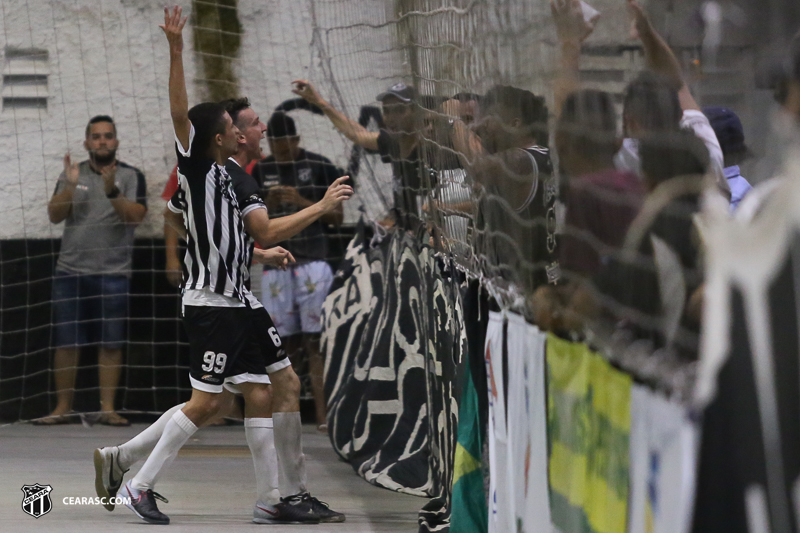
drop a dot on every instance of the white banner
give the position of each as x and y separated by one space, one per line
500 497
663 458
527 427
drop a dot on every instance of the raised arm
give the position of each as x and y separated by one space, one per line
178 101
268 232
60 205
572 29
349 128
659 56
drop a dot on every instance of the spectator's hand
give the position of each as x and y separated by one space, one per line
273 198
284 194
109 174
547 308
337 193
173 271
307 92
640 24
277 257
71 170
452 108
173 28
571 27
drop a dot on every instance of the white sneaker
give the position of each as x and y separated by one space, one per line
107 474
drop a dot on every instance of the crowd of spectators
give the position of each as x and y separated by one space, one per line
593 224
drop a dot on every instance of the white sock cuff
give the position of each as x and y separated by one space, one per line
293 415
184 422
258 423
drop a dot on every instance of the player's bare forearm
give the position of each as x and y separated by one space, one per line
334 218
178 100
60 205
175 222
268 232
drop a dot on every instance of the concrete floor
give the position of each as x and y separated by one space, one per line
210 486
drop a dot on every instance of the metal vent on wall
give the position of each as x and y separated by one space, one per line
25 73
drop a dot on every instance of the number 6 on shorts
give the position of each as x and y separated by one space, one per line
214 360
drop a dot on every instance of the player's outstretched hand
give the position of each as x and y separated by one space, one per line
307 92
71 171
571 26
277 257
173 27
337 193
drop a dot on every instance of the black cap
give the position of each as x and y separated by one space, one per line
728 128
281 125
401 91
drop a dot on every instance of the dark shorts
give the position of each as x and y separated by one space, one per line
89 309
231 345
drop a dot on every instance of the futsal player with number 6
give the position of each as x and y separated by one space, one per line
233 342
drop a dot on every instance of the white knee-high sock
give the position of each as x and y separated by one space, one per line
261 440
177 431
289 449
139 446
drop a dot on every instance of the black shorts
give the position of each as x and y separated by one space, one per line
231 345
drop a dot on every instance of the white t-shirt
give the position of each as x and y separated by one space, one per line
628 156
696 121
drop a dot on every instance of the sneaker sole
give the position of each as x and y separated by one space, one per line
148 520
285 522
332 520
99 484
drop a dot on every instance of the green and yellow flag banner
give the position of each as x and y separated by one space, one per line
589 420
469 512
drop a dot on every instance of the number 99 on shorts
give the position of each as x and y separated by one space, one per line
214 362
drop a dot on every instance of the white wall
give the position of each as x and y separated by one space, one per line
110 57
105 57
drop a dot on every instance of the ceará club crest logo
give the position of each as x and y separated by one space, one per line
36 500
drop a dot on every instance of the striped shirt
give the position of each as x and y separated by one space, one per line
218 251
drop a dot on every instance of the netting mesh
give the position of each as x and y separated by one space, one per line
484 207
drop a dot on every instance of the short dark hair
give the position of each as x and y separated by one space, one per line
589 122
234 106
652 101
208 120
672 154
281 125
529 108
100 118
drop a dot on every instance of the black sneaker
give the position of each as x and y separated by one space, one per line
107 474
323 510
144 505
285 513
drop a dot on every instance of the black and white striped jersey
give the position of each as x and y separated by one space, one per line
218 251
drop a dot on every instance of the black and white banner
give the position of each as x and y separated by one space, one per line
393 335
